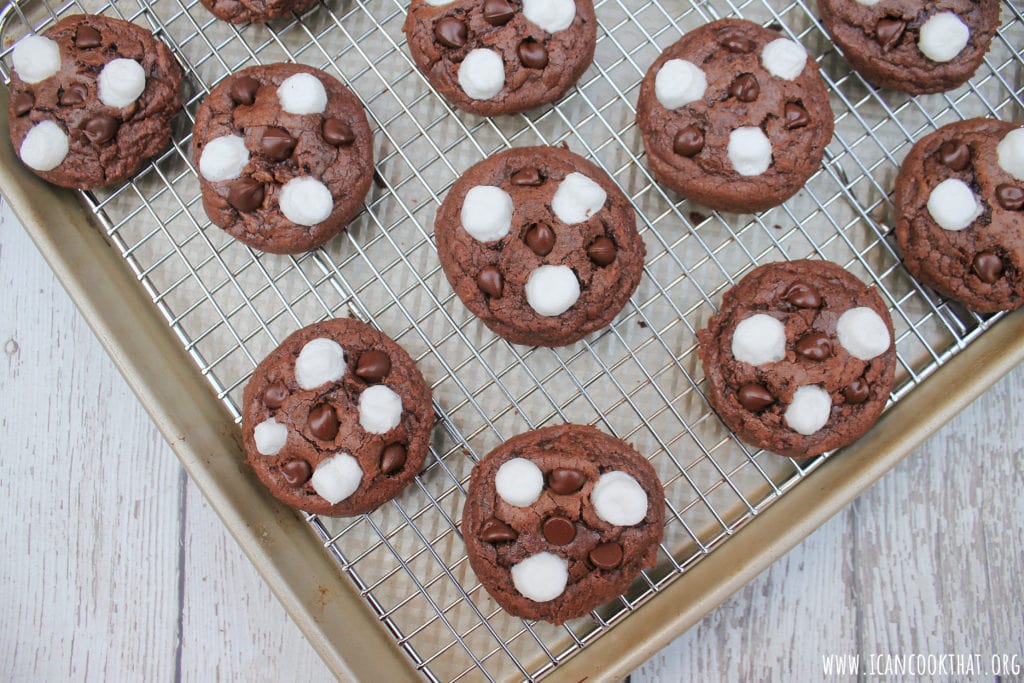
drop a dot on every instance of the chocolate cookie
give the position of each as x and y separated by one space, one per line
917 46
285 156
560 520
960 212
337 419
492 57
91 100
800 358
255 11
540 244
734 116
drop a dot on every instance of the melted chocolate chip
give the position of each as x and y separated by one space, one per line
87 37
76 93
955 155
23 104
498 12
451 32
745 88
338 133
558 530
243 90
888 32
754 397
688 141
490 282
606 556
988 267
323 422
100 128
373 365
527 177
857 392
277 143
541 239
494 530
1010 197
814 346
246 194
796 116
565 481
802 295
733 40
275 395
532 54
392 458
296 472
602 251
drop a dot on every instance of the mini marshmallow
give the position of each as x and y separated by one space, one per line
552 290
487 213
784 58
863 333
541 577
868 3
577 199
1010 153
380 409
337 478
36 58
482 74
759 339
223 158
320 361
439 3
270 436
550 15
749 150
519 482
44 147
619 499
121 82
809 410
302 94
953 205
679 82
305 201
943 36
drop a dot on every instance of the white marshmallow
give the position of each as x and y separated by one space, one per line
759 339
223 158
380 409
809 411
541 577
1010 153
750 151
121 82
619 499
439 3
868 3
943 36
679 82
552 290
550 15
320 361
519 482
44 147
482 74
487 213
784 58
302 93
36 58
337 478
863 333
577 199
953 205
270 436
305 201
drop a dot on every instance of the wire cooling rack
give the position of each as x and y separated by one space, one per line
639 379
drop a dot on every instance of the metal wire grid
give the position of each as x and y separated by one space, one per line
639 379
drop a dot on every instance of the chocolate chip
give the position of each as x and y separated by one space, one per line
688 141
857 392
87 37
606 556
814 346
1010 197
323 422
745 88
541 239
100 128
392 458
988 267
373 365
76 93
246 194
451 32
796 116
275 395
954 155
495 530
533 55
734 41
602 251
338 133
277 143
802 295
23 104
498 12
565 481
243 90
296 472
754 397
558 530
527 177
888 32
490 282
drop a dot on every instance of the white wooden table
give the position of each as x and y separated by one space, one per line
115 568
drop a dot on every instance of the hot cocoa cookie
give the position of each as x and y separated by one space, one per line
540 244
960 212
734 116
337 419
560 520
285 156
91 100
255 11
800 358
917 46
492 57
